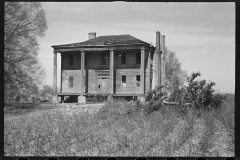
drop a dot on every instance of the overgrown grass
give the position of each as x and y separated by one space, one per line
118 129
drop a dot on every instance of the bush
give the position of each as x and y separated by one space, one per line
97 98
217 100
199 93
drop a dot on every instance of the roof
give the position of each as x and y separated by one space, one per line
125 39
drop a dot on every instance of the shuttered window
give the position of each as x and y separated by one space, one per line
70 81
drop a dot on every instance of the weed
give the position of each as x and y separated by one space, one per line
118 129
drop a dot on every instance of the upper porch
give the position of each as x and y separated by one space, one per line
114 47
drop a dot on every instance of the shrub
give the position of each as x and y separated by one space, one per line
199 93
217 100
96 98
154 100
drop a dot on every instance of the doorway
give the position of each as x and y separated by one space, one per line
103 82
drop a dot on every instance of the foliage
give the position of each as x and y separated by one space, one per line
217 100
31 90
154 100
197 92
96 98
46 92
23 23
173 71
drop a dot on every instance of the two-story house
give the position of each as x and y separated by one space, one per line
119 65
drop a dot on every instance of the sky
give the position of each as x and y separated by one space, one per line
201 34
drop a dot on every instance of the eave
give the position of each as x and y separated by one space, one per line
101 47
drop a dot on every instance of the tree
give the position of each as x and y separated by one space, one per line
23 23
174 74
198 93
46 92
28 91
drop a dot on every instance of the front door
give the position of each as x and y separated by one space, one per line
103 82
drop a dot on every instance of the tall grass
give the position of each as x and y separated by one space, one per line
118 129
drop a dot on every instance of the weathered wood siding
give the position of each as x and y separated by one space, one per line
76 81
131 87
76 61
94 60
93 67
92 81
130 59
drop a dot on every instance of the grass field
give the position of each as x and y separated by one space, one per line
120 129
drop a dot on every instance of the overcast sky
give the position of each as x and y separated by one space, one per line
201 34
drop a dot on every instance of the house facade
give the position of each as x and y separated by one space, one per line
117 65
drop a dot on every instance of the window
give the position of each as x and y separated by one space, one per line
70 60
85 59
138 80
123 82
138 57
103 59
123 58
70 81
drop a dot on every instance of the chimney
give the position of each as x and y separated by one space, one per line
163 57
91 35
157 63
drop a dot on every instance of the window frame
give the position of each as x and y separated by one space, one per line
138 83
123 83
70 81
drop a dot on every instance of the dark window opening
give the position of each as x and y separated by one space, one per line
103 58
70 60
70 81
138 57
123 82
138 83
123 58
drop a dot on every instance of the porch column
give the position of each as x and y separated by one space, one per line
142 72
149 70
112 71
55 98
61 73
82 71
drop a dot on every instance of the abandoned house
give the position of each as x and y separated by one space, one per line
117 65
